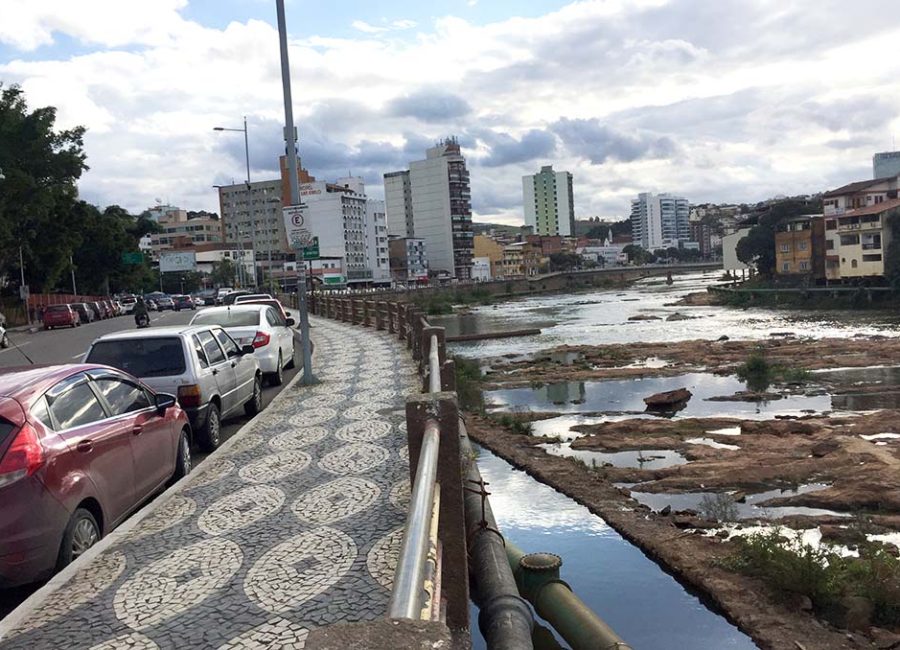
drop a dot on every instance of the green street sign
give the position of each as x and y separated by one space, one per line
132 258
311 252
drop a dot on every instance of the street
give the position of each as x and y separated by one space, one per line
69 346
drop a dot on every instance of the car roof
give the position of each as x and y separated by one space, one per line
21 382
154 333
254 296
241 307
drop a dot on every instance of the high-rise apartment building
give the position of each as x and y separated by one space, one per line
440 207
660 221
549 202
886 164
398 204
254 217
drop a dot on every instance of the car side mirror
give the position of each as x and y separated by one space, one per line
290 322
248 349
164 402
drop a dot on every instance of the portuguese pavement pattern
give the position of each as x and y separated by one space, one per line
295 523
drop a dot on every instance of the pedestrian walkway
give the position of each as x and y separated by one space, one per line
294 523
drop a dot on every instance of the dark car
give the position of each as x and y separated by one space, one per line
81 447
60 316
183 302
85 312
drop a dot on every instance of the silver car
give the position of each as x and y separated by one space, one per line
213 377
263 327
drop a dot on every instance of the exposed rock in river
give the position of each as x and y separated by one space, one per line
665 400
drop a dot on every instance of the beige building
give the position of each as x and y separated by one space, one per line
862 194
485 246
180 231
255 218
856 240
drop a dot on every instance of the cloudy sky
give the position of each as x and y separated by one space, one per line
718 100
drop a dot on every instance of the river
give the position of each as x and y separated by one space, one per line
644 604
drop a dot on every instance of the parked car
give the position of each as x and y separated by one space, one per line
99 310
60 316
128 303
230 298
111 308
151 304
261 326
85 312
183 302
222 293
213 377
267 300
81 447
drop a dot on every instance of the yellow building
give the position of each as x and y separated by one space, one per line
487 247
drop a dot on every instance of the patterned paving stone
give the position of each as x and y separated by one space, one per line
295 523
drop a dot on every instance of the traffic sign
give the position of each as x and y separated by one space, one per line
295 227
132 258
311 250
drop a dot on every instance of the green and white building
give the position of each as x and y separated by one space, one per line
549 205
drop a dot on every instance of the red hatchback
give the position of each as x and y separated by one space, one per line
60 316
81 447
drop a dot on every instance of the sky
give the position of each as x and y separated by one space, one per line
718 101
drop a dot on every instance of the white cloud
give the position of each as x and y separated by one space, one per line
654 95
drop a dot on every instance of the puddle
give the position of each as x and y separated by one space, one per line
867 401
644 459
649 362
656 501
709 442
562 426
627 395
726 431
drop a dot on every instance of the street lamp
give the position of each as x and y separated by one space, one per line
249 196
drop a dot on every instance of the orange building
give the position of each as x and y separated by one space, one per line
800 246
302 175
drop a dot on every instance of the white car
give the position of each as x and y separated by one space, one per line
263 327
128 303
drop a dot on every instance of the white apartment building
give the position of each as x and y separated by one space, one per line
254 218
549 202
660 221
398 204
349 227
441 208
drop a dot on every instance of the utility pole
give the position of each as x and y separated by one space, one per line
22 288
72 266
291 151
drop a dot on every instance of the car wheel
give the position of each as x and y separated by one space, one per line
254 405
292 362
277 378
183 461
81 533
212 429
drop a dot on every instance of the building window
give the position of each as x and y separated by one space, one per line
786 267
853 264
872 258
785 248
802 245
849 240
804 266
829 245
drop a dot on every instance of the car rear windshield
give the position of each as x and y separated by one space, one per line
149 357
228 318
6 428
57 308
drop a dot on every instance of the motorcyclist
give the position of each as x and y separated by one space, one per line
140 311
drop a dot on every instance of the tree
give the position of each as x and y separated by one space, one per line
40 167
892 255
564 261
223 273
637 255
758 246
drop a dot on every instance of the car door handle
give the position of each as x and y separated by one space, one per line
137 429
233 364
215 371
85 446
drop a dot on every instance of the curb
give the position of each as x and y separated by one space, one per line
12 620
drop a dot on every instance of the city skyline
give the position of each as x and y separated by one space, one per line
724 103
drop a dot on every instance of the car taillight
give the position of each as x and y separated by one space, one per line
189 395
261 340
24 457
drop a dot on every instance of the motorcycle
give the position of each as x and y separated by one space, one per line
142 321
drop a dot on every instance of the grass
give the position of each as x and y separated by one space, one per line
443 302
759 373
719 507
468 384
514 423
791 568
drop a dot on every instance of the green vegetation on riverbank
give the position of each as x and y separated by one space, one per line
759 373
442 303
758 294
865 588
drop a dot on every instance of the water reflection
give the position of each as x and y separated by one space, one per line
641 459
627 395
645 605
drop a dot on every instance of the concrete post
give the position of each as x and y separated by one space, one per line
425 345
452 526
366 305
380 308
448 376
354 311
401 321
391 312
417 337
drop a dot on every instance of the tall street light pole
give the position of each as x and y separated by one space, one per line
249 195
72 266
291 151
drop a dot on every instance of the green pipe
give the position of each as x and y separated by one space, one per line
537 577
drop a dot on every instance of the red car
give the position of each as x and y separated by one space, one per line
60 316
81 447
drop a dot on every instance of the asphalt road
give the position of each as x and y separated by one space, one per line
69 346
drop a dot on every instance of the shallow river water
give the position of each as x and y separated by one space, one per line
639 600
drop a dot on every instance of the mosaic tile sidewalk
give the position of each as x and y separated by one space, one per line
293 524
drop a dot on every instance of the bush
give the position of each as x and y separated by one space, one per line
719 507
468 384
515 422
756 371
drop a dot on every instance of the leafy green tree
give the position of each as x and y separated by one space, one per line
637 255
40 167
892 255
564 261
758 246
223 273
